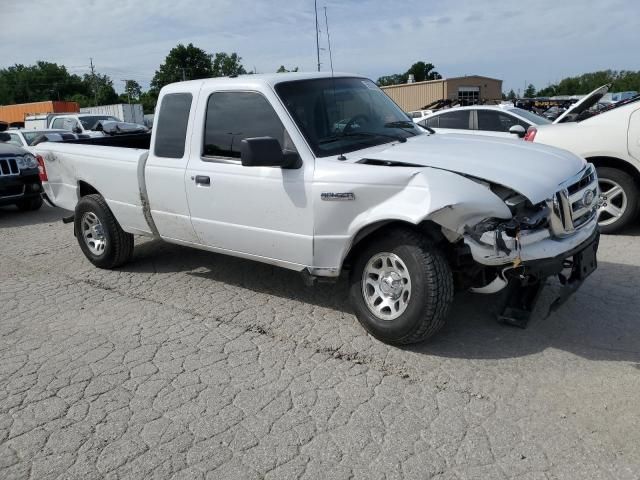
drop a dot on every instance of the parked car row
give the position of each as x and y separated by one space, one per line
608 137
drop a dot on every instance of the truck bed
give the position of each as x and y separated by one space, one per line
114 171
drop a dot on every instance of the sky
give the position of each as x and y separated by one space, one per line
537 41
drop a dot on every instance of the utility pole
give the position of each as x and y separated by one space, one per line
184 77
95 86
315 4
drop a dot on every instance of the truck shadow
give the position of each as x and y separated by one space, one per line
11 217
600 322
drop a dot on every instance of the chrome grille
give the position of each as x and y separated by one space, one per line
570 208
9 166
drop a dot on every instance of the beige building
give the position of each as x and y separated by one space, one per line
467 90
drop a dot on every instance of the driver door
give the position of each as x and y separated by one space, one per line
258 212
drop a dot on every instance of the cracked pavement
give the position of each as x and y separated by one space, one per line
186 364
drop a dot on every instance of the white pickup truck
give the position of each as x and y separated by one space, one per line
322 174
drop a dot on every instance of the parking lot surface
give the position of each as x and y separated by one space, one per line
187 364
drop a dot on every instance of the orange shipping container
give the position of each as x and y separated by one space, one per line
17 113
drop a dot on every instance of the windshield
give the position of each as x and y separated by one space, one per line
532 117
340 115
89 122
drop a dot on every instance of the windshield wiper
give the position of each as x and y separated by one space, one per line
335 138
400 124
405 124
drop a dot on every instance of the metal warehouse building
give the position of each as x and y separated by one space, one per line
467 90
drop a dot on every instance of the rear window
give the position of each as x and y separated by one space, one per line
458 119
171 131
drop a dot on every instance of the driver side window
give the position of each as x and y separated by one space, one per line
234 116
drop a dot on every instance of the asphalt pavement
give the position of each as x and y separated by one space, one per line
187 364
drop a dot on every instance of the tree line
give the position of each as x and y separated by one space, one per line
421 72
50 81
620 81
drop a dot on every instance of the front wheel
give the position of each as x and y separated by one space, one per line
401 288
99 234
619 199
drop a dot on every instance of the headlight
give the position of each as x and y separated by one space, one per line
27 161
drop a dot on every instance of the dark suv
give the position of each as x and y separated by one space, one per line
19 177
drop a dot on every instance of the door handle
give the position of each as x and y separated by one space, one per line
203 180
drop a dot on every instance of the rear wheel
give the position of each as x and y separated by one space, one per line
99 234
33 203
401 288
619 199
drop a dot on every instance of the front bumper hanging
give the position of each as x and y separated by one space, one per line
528 280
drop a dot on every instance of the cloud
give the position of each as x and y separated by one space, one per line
474 17
129 39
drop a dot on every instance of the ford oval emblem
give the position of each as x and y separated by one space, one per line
587 198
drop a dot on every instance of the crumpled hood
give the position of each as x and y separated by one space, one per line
534 170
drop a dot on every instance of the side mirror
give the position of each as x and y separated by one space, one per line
4 137
518 130
76 129
266 152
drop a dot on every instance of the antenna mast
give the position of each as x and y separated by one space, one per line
315 4
328 39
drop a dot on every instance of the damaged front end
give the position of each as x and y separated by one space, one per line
522 252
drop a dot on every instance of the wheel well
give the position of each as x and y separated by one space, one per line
613 162
86 189
371 232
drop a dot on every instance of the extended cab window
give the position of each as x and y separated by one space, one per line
233 116
458 119
171 131
58 123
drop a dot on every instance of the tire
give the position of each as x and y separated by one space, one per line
99 234
427 275
620 210
33 203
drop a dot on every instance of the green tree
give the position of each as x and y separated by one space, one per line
132 90
42 81
100 87
530 91
284 70
148 101
395 79
422 71
511 95
225 65
182 63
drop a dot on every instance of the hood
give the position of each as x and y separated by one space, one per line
583 105
11 150
533 170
